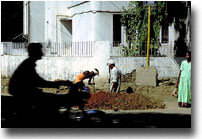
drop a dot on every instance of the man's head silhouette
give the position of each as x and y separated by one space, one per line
35 51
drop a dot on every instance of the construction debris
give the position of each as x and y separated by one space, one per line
121 101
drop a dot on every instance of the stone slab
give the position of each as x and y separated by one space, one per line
146 76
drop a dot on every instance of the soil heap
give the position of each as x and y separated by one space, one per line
121 101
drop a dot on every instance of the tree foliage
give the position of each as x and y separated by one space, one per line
135 20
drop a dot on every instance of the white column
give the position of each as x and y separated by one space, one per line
25 17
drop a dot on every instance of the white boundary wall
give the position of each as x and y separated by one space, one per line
67 67
166 66
64 67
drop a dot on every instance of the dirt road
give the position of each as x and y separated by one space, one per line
148 107
159 97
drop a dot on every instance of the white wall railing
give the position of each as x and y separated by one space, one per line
156 50
9 48
53 49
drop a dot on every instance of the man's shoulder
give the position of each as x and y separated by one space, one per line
28 62
115 69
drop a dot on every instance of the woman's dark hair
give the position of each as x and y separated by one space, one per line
189 59
189 52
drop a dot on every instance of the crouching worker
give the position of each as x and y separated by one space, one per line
79 90
86 75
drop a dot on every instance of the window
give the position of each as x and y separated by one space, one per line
64 30
116 29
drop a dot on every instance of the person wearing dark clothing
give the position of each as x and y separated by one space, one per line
35 108
25 80
25 83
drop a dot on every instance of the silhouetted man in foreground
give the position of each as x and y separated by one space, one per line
33 107
25 82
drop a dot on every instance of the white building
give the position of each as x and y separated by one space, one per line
93 26
67 21
97 21
43 21
73 21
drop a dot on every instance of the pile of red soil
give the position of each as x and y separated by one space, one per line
121 101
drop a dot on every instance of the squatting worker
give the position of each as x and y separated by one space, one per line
80 90
115 77
86 75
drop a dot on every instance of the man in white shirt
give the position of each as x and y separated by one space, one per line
115 77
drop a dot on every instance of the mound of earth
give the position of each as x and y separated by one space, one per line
141 97
122 101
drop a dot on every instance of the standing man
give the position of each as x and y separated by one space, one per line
115 77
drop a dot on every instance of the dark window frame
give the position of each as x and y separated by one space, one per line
116 30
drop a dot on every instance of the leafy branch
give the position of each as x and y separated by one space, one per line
135 21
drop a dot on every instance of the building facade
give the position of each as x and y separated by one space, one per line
78 21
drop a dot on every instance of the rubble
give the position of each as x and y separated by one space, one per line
121 101
129 77
168 81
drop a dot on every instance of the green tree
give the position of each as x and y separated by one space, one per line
135 20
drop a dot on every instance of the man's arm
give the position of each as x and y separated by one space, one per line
89 75
112 86
89 81
50 84
114 79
